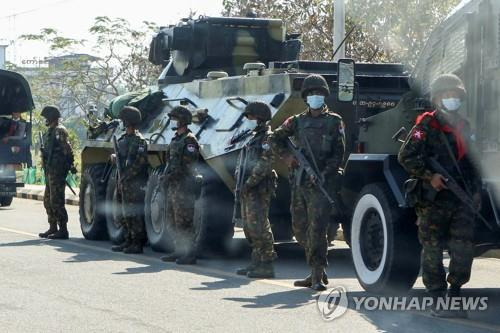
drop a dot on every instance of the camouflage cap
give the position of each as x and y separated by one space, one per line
259 110
131 116
314 82
51 113
181 114
447 82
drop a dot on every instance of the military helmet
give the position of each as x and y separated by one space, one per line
51 113
314 82
131 116
447 82
181 114
259 110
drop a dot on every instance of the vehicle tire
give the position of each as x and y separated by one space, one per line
113 213
216 214
384 244
91 208
6 201
156 214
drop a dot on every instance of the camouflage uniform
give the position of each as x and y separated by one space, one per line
259 186
134 159
57 159
445 219
309 207
182 157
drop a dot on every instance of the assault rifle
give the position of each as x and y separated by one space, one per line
457 190
241 167
306 167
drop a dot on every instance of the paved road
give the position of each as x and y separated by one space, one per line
81 286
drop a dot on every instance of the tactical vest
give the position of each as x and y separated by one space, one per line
128 146
315 135
53 156
176 154
254 150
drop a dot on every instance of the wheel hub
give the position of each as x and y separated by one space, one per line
372 239
158 210
88 204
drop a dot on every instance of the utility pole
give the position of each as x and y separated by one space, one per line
3 46
338 28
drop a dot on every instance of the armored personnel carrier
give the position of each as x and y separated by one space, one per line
214 66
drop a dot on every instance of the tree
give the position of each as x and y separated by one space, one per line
384 30
74 81
121 65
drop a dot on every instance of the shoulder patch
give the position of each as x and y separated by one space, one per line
418 134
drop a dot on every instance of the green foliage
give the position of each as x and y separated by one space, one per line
385 30
74 82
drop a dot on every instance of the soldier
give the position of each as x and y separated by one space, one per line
319 134
259 184
180 178
133 158
57 160
442 218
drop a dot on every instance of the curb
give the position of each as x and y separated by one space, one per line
38 195
491 254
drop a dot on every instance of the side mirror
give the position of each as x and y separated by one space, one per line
345 82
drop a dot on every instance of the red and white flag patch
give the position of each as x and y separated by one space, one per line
418 135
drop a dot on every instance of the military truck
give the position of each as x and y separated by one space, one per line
382 233
214 66
15 96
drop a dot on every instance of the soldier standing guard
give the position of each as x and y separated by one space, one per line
133 158
57 160
254 171
180 178
319 134
444 135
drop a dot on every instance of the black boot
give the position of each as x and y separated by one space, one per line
438 300
52 230
62 233
263 270
306 283
134 248
317 279
454 291
171 257
188 259
245 270
121 247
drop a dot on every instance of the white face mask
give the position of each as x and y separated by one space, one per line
315 101
451 104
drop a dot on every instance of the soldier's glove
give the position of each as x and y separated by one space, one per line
112 158
73 170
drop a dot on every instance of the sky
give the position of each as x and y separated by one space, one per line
73 18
